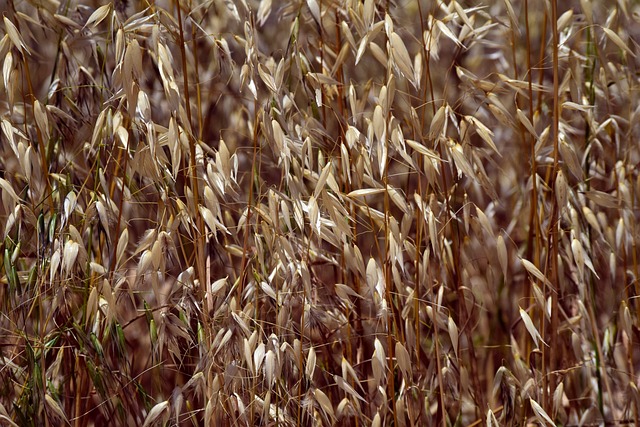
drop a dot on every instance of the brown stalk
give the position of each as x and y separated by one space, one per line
193 173
548 358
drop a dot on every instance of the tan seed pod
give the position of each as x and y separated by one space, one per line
561 191
453 334
502 255
404 361
533 331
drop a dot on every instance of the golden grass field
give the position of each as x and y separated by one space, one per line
319 212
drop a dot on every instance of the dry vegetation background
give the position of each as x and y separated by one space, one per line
319 212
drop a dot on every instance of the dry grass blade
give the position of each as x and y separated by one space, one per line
311 364
502 255
8 420
562 190
618 41
159 410
267 78
404 361
325 403
491 419
461 162
540 413
347 388
485 133
56 409
365 192
533 331
98 16
453 334
448 33
512 15
534 271
526 123
70 254
15 36
401 57
41 119
7 70
570 157
7 188
603 199
217 286
420 148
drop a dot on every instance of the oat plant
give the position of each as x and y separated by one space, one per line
319 212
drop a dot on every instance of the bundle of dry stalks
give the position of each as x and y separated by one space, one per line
319 212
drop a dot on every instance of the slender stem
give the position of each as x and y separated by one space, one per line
200 255
554 223
533 238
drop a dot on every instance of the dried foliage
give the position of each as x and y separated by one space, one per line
319 212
